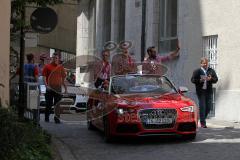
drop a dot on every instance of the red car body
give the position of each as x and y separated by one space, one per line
145 111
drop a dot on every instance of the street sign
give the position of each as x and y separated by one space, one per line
43 20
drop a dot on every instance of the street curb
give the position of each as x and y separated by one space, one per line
223 124
211 125
63 151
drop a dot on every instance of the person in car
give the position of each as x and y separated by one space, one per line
54 76
123 63
102 69
151 64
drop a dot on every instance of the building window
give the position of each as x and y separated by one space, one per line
210 51
167 25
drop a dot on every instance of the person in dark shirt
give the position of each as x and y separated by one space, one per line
203 78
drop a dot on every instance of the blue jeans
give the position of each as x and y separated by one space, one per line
205 104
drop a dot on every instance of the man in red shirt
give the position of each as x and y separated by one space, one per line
54 76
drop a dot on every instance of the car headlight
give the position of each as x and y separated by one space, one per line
121 111
187 109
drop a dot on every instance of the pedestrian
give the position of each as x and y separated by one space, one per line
30 69
152 63
123 63
54 77
102 69
41 64
203 78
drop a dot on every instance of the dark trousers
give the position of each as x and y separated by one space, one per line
205 104
52 97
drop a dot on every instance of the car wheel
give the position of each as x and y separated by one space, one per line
190 136
107 135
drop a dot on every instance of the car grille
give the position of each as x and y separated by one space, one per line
127 128
158 118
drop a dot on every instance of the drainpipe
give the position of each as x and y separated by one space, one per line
21 70
143 36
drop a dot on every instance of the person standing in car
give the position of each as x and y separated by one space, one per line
151 64
102 69
123 63
54 77
203 78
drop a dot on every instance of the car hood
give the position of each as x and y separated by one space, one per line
154 100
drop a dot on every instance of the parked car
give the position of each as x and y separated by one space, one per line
142 105
80 103
71 76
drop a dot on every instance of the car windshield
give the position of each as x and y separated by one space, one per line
128 84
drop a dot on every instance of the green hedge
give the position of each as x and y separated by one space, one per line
22 140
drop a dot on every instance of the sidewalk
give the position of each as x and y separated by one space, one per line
216 123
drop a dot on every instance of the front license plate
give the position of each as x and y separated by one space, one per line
159 121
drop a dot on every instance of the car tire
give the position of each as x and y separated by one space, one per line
107 135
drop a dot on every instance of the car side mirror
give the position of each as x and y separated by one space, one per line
183 89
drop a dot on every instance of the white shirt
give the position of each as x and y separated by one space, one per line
205 81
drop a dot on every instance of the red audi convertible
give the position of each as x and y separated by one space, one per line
142 105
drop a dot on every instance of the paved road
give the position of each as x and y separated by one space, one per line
77 143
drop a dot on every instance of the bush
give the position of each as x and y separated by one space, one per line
22 140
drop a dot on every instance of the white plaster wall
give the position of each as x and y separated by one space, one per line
5 10
221 17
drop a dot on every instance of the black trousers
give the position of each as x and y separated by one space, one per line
205 104
52 97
